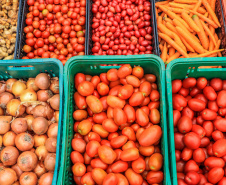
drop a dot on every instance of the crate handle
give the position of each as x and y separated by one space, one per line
211 69
109 67
19 68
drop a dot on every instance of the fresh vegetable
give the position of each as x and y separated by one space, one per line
117 132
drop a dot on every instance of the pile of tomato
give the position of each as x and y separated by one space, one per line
117 132
199 118
55 29
121 27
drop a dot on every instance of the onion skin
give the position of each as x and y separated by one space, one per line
9 155
28 178
9 84
50 161
29 119
41 152
28 95
39 125
16 183
14 108
1 111
31 84
54 87
40 169
9 138
40 140
24 141
50 144
42 81
17 169
53 129
43 111
5 98
19 125
46 179
56 116
27 161
2 87
55 102
5 124
44 95
18 87
7 176
1 141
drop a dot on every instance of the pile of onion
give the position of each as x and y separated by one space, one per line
29 115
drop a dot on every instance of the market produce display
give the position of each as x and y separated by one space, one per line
55 29
117 133
187 29
199 110
8 28
29 113
121 27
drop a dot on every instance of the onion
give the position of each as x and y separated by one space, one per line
41 152
24 141
18 87
40 169
50 161
44 95
7 176
42 81
29 119
31 84
51 144
29 109
28 178
32 150
16 183
27 161
9 84
54 86
46 179
9 155
39 125
43 111
53 129
40 140
55 102
14 108
56 116
1 141
1 111
17 169
9 138
5 124
19 125
2 87
28 95
5 97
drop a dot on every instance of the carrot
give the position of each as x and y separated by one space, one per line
197 5
202 34
211 12
178 23
187 45
176 10
212 4
209 53
164 53
161 3
173 44
205 19
168 20
197 47
186 1
218 45
188 7
173 57
157 15
172 15
172 35
190 22
208 32
171 51
171 27
159 20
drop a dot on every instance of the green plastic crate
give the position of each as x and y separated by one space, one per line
92 65
15 69
181 69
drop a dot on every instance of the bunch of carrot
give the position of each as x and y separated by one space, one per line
186 29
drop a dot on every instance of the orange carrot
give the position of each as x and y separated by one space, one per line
171 27
171 51
186 44
202 35
186 1
168 20
164 53
208 32
218 45
161 3
173 44
178 23
173 57
159 20
172 15
209 53
211 12
190 22
197 5
205 19
197 47
188 7
212 4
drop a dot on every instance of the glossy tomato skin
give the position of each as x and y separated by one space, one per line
109 125
119 166
92 148
189 82
130 113
136 99
106 154
184 124
111 178
179 102
186 154
191 165
85 88
199 155
221 102
178 139
79 77
124 71
154 177
208 114
201 82
141 117
176 86
97 163
94 104
196 104
98 175
80 101
122 180
155 162
212 162
129 133
130 154
210 93
219 148
217 84
119 141
138 165
120 117
87 179
192 140
133 177
192 178
215 175
125 91
76 157
176 117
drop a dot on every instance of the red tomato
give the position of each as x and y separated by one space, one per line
176 86
221 102
129 154
92 148
85 88
119 141
146 150
201 82
119 166
76 157
114 101
136 99
97 163
192 140
100 117
179 102
112 75
138 72
133 177
216 135
184 124
222 181
109 125
176 117
215 175
212 162
94 137
212 105
111 178
155 162
217 84
178 138
189 82
122 180
106 154
130 113
119 116
129 133
210 93
192 178
98 175
99 129
219 148
124 71
198 130
94 104
79 169
78 144
208 114
199 155
154 116
138 165
196 104
154 177
186 154
125 92
142 118
145 88
133 80
191 165
87 179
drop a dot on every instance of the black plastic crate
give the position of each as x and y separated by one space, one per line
21 39
89 16
220 31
